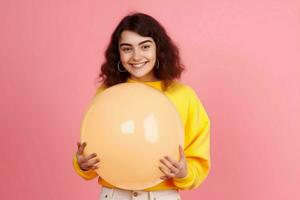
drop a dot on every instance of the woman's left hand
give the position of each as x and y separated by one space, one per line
172 168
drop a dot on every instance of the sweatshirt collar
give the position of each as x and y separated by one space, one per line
154 84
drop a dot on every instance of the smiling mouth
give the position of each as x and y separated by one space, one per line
139 65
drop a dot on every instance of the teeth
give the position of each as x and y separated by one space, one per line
139 65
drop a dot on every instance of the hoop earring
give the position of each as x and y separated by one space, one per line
157 66
119 68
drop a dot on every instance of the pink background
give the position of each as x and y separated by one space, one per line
242 58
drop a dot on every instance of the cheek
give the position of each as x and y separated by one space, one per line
124 57
152 55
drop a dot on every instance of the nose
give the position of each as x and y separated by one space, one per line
136 55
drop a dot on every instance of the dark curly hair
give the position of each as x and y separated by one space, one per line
170 66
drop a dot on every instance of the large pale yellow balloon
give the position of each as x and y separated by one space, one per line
131 126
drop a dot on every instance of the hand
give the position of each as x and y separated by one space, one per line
85 162
174 169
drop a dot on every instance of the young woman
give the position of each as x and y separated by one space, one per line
141 51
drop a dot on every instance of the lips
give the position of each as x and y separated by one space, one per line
138 65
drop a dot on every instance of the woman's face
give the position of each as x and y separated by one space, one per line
138 55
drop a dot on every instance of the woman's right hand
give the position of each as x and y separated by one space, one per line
86 162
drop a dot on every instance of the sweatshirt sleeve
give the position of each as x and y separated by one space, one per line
197 145
87 175
91 174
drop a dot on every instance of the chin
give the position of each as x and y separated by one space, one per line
139 74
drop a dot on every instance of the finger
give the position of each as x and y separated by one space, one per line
90 163
172 161
181 152
94 167
166 173
82 146
93 162
91 156
164 177
169 166
78 148
86 166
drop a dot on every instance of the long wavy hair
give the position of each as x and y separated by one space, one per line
167 53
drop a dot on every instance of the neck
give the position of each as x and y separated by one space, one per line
144 79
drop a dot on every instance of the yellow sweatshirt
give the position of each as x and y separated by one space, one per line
196 140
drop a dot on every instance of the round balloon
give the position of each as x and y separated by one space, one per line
131 126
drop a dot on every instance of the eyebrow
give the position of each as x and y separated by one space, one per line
123 44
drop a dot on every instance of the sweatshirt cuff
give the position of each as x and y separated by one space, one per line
186 182
87 175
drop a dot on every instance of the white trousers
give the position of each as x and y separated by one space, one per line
119 194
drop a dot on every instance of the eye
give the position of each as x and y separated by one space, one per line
126 49
145 47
